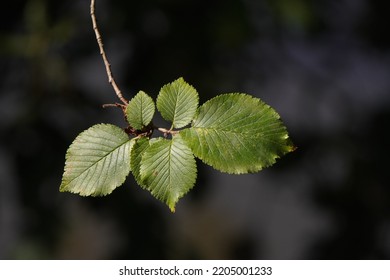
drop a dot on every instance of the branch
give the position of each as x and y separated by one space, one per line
167 131
103 54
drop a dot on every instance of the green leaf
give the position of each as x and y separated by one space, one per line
137 151
168 170
97 161
177 102
140 110
237 133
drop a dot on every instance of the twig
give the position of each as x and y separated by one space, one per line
167 131
118 105
103 54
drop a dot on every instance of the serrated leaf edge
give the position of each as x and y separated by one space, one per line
171 204
174 118
65 184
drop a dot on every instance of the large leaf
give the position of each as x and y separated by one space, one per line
177 102
140 110
237 133
97 161
168 170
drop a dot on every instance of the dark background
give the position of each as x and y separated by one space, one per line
323 65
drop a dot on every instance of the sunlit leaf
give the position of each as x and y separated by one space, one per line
168 170
97 161
140 110
177 102
237 133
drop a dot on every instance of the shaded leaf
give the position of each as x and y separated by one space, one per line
97 161
137 151
237 133
168 170
177 102
140 110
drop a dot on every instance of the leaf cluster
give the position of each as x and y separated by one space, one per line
234 133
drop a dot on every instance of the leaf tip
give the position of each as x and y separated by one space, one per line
293 148
172 208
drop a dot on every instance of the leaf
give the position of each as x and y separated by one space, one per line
97 161
168 170
177 102
140 110
137 151
237 133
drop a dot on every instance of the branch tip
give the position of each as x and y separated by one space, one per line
99 40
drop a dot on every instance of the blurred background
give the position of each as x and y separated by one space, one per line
323 65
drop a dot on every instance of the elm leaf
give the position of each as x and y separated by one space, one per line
138 150
140 110
177 102
168 170
97 162
237 133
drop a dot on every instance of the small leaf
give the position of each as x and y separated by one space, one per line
168 170
237 133
177 102
97 161
140 110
